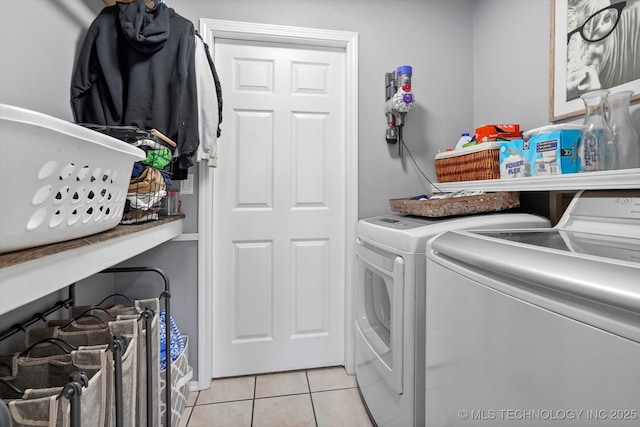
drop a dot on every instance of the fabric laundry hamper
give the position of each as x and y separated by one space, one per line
181 374
147 361
102 334
42 380
181 371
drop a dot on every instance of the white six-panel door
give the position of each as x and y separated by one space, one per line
279 209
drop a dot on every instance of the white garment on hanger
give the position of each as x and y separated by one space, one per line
207 107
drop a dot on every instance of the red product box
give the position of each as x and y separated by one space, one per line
496 132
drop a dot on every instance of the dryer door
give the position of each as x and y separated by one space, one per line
379 313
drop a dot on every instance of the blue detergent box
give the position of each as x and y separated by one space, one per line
551 153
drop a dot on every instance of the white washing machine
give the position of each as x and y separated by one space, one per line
541 327
390 312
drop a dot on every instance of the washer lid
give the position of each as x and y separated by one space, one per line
612 247
399 222
606 212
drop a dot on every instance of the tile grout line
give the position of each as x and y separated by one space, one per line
192 408
313 408
253 401
333 389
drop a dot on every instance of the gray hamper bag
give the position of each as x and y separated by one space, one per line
102 334
134 312
42 379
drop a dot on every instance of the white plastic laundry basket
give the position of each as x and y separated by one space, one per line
58 180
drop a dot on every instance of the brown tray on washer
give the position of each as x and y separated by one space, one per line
468 205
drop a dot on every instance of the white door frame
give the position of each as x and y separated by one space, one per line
212 29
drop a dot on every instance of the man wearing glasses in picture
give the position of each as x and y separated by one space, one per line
603 44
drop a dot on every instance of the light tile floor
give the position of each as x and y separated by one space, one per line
316 397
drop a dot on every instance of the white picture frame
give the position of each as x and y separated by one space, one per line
562 104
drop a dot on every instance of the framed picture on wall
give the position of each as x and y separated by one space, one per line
595 44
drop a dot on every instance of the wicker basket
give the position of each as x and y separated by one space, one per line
469 164
489 202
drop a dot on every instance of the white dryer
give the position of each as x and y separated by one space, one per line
390 312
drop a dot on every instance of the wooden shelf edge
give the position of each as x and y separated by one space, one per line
25 278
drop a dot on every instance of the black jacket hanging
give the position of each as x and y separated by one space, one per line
136 68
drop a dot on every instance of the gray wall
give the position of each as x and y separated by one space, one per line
475 62
511 62
435 37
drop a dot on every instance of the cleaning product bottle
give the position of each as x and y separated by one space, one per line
464 138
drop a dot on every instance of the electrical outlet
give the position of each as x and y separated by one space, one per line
186 186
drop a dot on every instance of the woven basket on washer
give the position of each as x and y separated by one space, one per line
473 163
59 181
489 202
